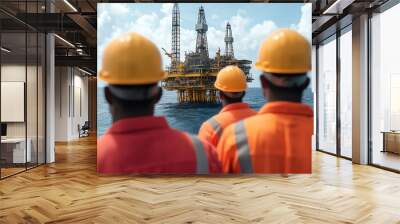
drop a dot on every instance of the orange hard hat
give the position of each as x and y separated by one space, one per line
131 59
285 51
231 79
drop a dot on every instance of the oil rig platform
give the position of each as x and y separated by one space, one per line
194 78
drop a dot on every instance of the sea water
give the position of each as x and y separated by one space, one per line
186 117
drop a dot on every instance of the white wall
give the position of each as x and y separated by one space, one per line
71 94
33 126
16 73
13 101
62 81
81 81
12 73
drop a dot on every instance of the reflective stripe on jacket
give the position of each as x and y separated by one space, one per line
149 145
277 140
212 129
201 156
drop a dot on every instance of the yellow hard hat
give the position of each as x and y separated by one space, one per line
285 51
131 59
231 79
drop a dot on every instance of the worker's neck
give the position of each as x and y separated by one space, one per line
133 114
225 103
284 97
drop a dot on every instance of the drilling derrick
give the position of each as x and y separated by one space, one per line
194 78
175 53
228 41
201 28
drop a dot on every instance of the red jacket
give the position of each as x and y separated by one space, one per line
149 145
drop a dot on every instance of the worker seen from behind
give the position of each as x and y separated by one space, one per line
232 84
138 141
278 138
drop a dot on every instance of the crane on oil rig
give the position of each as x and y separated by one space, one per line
194 78
166 53
169 55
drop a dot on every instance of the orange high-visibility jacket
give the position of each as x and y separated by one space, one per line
276 140
148 145
211 130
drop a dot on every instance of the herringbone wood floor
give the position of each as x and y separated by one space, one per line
70 191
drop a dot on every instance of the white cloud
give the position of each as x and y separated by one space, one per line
166 8
145 23
258 33
241 12
215 40
239 24
103 17
214 16
188 41
155 26
118 8
304 24
246 37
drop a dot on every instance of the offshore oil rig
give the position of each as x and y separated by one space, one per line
194 78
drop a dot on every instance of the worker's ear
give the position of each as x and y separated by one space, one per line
264 82
264 85
305 84
221 95
108 95
159 95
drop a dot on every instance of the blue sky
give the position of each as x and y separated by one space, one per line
251 23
